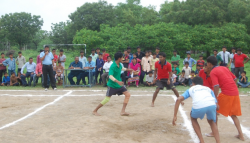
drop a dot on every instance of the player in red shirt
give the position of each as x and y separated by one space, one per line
239 62
228 99
164 74
105 55
205 75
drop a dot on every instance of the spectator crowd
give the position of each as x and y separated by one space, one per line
95 67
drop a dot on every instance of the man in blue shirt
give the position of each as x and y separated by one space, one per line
90 67
76 71
130 55
99 69
31 68
11 63
190 60
47 60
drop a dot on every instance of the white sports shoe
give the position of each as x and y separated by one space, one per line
55 89
46 89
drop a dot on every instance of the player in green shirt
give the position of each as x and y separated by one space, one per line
218 57
115 85
175 59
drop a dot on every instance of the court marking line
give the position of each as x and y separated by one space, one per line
187 123
34 112
244 129
89 95
85 90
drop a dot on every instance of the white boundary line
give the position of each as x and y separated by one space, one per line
187 123
89 95
90 90
34 112
244 129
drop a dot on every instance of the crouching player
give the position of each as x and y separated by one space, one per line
115 84
204 102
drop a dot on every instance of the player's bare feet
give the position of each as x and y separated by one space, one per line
152 105
124 114
240 137
96 114
209 134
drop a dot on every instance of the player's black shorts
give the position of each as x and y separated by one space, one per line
115 91
164 83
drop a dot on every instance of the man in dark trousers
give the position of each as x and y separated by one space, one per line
47 60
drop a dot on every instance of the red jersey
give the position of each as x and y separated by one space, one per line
206 79
55 58
221 76
239 59
163 71
105 57
201 63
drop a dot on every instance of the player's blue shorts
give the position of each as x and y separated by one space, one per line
210 111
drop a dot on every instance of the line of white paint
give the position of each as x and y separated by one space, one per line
89 95
34 112
87 90
187 123
244 129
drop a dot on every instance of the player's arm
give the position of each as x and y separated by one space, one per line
115 80
125 69
194 62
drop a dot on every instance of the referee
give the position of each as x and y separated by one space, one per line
47 61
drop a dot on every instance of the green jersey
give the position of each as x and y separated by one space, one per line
175 58
219 59
115 71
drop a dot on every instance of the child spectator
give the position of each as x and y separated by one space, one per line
174 77
198 69
150 53
62 58
243 80
178 72
105 55
187 70
59 73
99 69
19 78
13 80
6 80
191 77
201 62
20 61
146 66
182 79
153 60
11 63
2 67
149 79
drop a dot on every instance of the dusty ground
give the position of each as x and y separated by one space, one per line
70 119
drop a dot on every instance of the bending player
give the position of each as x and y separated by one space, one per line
115 85
163 71
204 102
228 99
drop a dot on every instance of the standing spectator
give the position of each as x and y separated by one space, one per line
47 61
13 80
135 74
130 55
31 69
198 69
99 69
62 58
182 79
10 62
153 61
150 54
232 61
157 51
187 70
219 59
38 60
105 55
90 65
125 62
59 73
200 62
239 62
225 55
98 51
6 80
175 59
134 56
55 56
149 79
75 73
82 59
2 67
38 73
243 80
139 54
106 67
146 66
190 60
20 61
175 67
93 55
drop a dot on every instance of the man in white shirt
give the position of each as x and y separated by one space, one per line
93 55
106 67
232 60
225 55
31 68
82 59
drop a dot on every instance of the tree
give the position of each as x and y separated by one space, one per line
39 36
20 27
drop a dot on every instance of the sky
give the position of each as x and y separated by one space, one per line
55 11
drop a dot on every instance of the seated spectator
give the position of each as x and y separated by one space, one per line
59 73
187 70
99 69
149 79
134 76
178 72
191 77
6 80
13 80
153 60
76 71
200 62
182 79
106 67
19 78
174 77
90 66
198 69
243 80
123 76
135 56
31 68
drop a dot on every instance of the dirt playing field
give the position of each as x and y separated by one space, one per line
66 116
